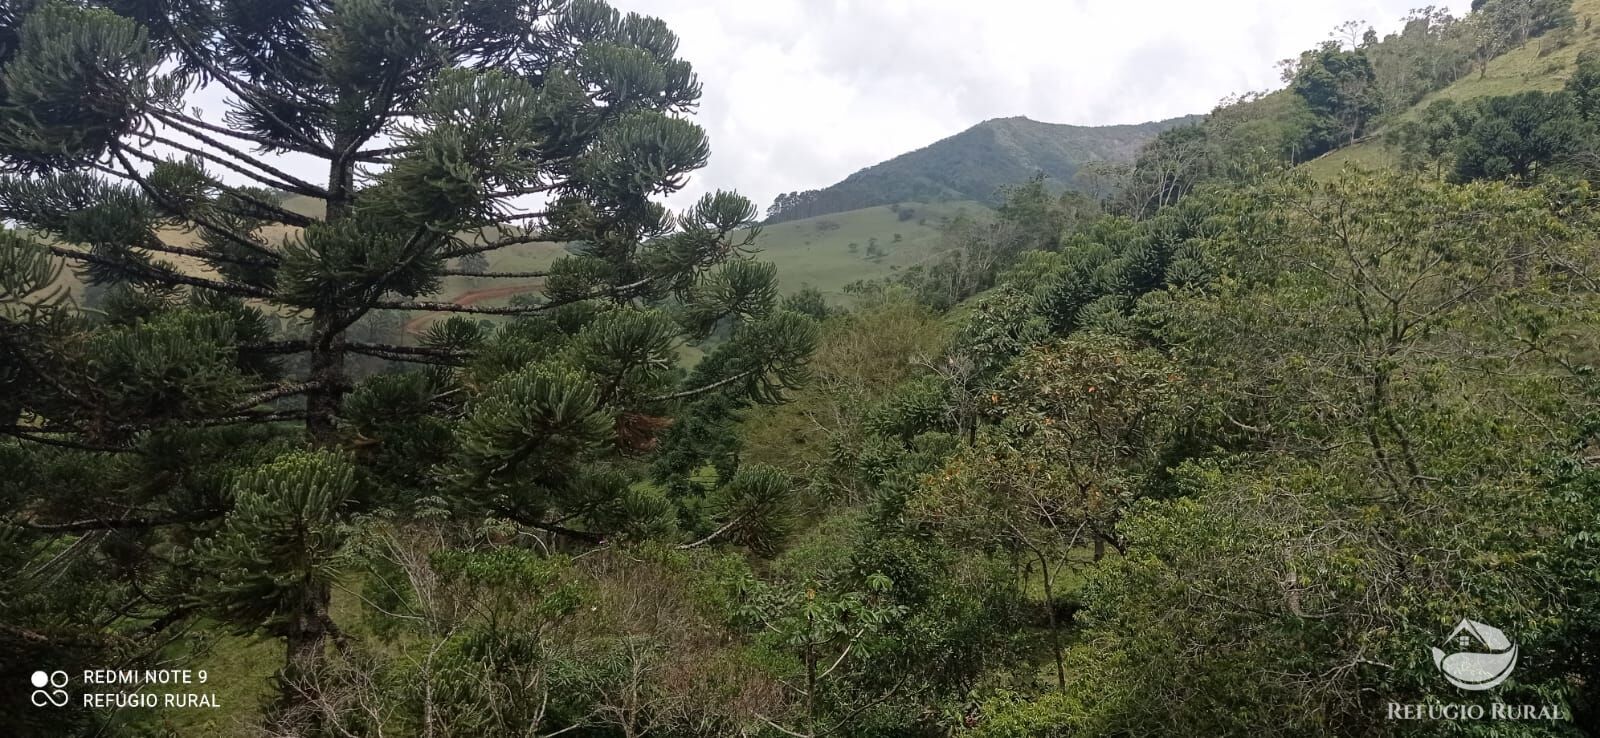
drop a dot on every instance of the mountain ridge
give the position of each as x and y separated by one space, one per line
975 163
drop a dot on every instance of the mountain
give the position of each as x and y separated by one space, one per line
975 164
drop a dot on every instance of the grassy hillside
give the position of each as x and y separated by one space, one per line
813 252
478 291
1543 63
475 290
816 252
974 164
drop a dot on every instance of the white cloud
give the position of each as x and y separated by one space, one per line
801 93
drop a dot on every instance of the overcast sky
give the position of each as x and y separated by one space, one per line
800 94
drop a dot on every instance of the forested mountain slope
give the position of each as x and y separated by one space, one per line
975 164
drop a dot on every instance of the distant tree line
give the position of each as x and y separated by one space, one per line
1338 93
975 164
1523 136
795 206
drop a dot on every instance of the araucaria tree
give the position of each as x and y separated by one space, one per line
200 446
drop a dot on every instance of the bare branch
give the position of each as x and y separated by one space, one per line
275 393
714 534
719 384
83 526
168 116
44 438
164 275
465 249
133 174
284 181
494 275
451 307
240 87
410 354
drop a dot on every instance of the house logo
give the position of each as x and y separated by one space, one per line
1483 657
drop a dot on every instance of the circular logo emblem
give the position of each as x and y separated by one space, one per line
42 697
1484 657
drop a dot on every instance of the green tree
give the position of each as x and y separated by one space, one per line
1340 88
190 411
1165 170
1521 136
821 630
1584 84
1257 132
1424 56
1515 21
473 264
810 302
1429 142
1084 423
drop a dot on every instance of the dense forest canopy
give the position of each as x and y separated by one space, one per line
1208 445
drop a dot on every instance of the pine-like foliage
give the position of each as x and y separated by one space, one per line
198 443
